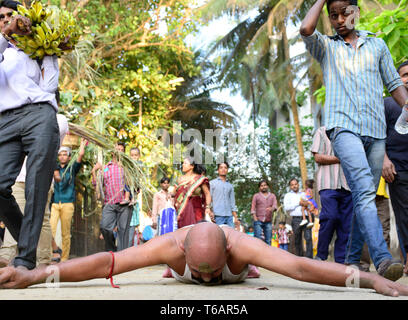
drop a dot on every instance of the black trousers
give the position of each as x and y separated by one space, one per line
30 130
307 233
115 215
399 200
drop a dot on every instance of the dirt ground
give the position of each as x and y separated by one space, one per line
147 284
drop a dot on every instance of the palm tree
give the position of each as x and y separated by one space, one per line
263 40
192 103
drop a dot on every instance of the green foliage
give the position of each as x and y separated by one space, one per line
276 161
392 27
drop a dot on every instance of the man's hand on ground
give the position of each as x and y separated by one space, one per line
15 278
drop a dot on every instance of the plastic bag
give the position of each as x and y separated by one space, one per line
168 221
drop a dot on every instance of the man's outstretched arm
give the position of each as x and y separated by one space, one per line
95 266
309 23
309 270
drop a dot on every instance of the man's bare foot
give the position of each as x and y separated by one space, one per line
253 272
167 273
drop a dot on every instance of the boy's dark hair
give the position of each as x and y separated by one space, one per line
164 179
293 179
282 223
309 183
405 63
226 163
120 143
329 2
9 4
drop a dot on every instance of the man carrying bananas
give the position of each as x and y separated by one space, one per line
28 127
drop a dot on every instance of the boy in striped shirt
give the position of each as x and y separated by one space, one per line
356 65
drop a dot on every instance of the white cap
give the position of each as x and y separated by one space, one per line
67 149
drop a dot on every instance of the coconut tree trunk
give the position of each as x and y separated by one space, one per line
294 108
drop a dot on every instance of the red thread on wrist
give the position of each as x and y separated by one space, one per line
111 272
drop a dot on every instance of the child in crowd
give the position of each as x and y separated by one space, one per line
275 238
283 235
311 209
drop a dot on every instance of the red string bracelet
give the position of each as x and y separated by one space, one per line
111 272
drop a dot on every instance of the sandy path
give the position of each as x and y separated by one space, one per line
147 284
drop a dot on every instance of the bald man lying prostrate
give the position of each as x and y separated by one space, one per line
204 253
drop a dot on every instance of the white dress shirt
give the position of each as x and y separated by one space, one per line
291 203
21 81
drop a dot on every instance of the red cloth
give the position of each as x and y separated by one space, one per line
194 207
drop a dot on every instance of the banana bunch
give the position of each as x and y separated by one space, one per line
50 28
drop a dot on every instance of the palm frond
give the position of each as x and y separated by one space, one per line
135 175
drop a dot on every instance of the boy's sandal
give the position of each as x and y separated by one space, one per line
57 260
57 251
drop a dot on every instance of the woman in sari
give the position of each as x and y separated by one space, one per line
192 195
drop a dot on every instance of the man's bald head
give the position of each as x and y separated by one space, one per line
205 248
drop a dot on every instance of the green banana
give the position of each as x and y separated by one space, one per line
23 11
32 44
50 27
45 26
40 32
38 40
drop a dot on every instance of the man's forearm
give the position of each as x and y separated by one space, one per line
309 23
325 159
334 274
80 269
400 95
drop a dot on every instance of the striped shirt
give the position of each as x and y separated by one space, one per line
327 176
114 183
354 80
283 236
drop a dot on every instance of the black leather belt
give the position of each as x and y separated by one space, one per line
20 109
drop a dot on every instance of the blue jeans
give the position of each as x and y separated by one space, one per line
361 158
266 227
284 246
228 220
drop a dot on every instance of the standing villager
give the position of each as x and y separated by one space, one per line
28 127
264 203
192 195
335 198
356 66
395 167
63 199
293 202
116 212
223 198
